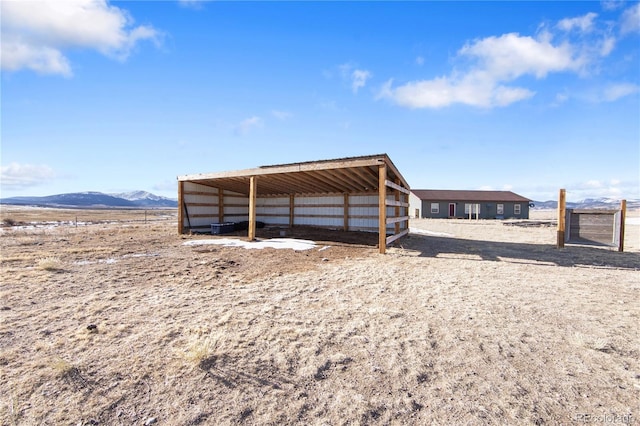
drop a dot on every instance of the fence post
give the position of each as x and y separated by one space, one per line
561 217
623 212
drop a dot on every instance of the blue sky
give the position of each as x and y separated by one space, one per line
524 96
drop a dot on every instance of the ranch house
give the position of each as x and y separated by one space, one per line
365 193
434 203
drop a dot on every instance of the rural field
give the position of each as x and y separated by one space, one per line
112 318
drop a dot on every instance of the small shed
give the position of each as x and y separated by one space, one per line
439 203
365 193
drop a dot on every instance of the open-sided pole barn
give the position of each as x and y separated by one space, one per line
358 193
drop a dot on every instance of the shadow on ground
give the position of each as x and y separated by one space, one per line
441 246
571 255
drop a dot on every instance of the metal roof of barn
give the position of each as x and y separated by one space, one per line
342 175
461 195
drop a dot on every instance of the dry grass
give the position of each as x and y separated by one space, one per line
489 325
50 263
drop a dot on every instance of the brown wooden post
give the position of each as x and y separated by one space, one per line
561 217
180 207
291 210
220 205
623 213
252 207
346 212
382 208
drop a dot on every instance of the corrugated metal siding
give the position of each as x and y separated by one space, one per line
266 208
331 217
324 211
194 196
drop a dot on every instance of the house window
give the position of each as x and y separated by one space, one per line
435 207
516 209
500 209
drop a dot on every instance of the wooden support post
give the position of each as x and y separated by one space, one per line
252 207
346 212
292 201
220 205
562 210
623 213
180 207
382 208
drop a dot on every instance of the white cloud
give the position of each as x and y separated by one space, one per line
192 4
607 44
631 20
607 93
329 105
561 98
281 115
583 23
18 176
511 55
359 79
607 188
495 61
44 60
612 4
248 125
603 187
617 91
488 70
34 34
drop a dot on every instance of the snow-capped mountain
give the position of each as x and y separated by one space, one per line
589 203
135 199
144 198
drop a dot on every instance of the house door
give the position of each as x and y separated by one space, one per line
452 209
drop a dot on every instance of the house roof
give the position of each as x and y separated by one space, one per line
342 175
478 196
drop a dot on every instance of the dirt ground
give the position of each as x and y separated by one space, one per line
115 321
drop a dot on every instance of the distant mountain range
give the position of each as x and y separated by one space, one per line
589 203
134 199
143 199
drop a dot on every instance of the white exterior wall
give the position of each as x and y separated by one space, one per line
305 205
327 211
236 207
267 207
415 203
363 224
207 195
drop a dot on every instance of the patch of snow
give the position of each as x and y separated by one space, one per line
432 233
276 243
141 255
324 248
92 262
